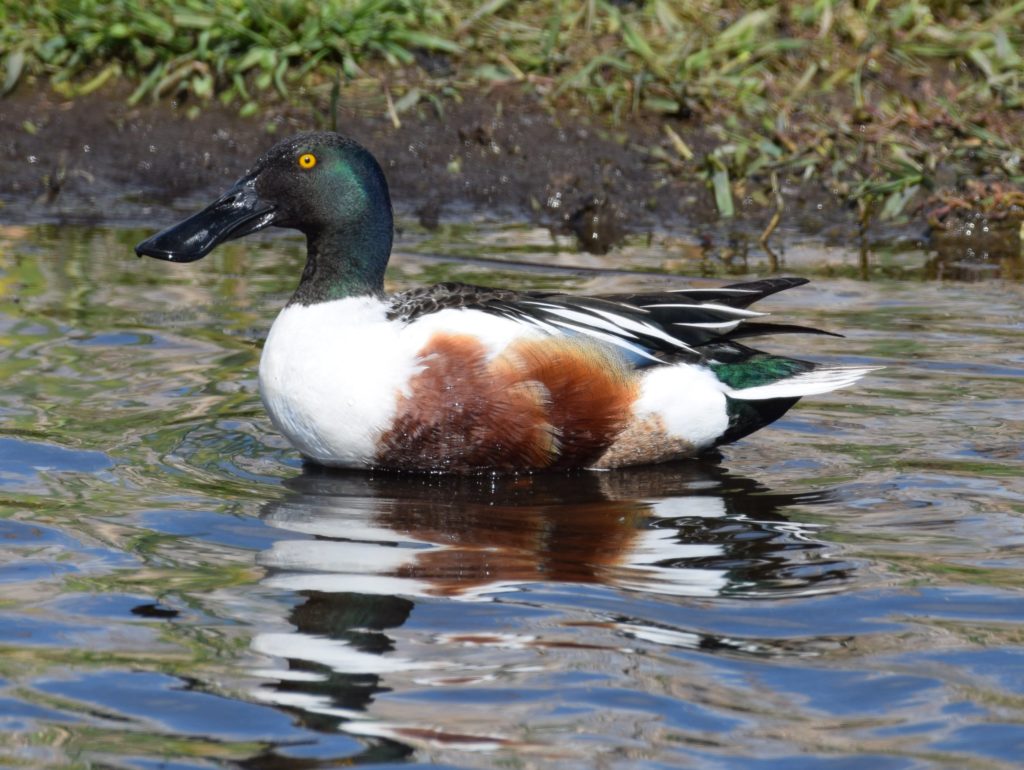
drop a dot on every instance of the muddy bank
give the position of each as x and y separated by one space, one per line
94 160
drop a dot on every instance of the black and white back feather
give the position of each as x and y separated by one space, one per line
683 325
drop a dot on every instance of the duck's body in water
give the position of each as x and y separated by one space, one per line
465 379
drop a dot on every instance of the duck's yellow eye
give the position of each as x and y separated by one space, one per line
307 160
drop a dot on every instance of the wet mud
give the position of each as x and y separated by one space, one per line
95 159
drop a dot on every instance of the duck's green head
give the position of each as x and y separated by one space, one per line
323 184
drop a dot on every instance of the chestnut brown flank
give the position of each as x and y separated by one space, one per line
590 393
552 402
458 416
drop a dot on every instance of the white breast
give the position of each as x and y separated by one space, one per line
330 377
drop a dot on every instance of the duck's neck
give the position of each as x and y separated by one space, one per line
344 262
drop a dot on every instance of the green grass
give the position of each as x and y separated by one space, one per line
878 100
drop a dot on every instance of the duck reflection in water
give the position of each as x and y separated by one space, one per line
363 550
689 530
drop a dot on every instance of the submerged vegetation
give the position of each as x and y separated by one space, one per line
881 102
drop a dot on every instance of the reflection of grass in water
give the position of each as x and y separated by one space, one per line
172 576
88 744
82 284
965 468
896 457
670 254
22 662
136 360
258 274
920 569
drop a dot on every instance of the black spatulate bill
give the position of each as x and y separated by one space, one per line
237 212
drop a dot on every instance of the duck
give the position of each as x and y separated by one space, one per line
458 378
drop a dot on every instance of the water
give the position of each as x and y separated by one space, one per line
843 590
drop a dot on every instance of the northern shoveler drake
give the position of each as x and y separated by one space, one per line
465 379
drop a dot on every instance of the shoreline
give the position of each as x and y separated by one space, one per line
500 154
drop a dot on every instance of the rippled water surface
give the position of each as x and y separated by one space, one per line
843 590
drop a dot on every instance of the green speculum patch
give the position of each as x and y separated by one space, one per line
759 369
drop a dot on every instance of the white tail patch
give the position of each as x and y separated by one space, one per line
820 380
